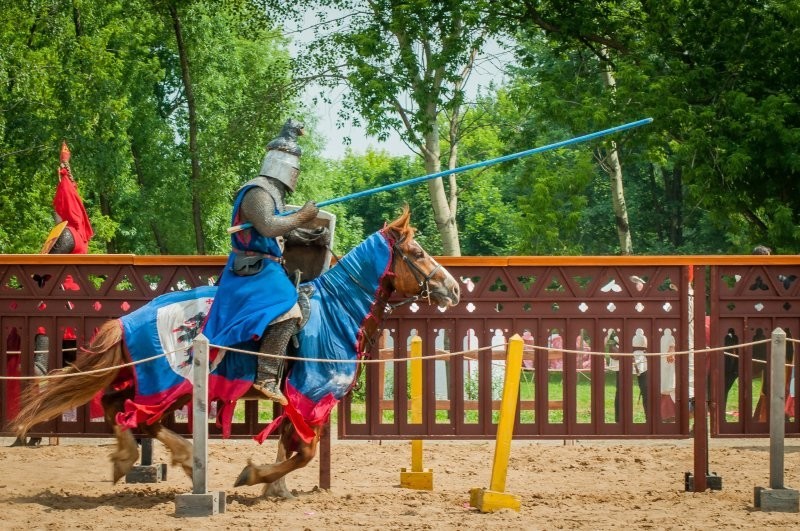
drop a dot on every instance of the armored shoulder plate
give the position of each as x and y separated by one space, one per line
273 191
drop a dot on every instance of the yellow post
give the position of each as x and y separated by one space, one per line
416 478
495 497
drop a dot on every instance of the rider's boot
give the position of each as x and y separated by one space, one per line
276 338
268 379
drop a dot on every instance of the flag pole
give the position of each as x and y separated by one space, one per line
460 169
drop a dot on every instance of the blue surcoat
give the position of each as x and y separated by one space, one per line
245 305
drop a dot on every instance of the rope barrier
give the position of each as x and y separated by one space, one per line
57 373
445 355
73 349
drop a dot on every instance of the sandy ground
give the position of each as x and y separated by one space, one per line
588 485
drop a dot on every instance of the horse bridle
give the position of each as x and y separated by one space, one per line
423 280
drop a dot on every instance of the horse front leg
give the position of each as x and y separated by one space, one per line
278 489
273 473
126 453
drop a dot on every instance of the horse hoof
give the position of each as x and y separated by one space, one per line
245 477
118 473
277 490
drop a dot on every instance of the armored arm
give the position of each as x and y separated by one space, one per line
258 208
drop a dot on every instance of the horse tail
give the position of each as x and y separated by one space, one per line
78 383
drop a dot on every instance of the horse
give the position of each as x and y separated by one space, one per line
349 304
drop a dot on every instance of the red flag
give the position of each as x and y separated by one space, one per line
69 206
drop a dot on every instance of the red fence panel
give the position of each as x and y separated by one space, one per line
556 304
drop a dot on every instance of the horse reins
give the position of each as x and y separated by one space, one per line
423 280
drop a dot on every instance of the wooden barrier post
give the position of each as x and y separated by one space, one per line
146 471
416 478
495 497
777 497
200 502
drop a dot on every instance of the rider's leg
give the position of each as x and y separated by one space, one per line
270 369
274 341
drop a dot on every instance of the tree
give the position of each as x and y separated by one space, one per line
592 34
726 113
406 66
107 77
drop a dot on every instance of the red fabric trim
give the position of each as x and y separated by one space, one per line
303 414
225 392
225 411
96 406
149 412
68 204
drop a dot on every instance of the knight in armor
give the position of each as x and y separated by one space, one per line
256 298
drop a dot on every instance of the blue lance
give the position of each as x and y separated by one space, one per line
504 158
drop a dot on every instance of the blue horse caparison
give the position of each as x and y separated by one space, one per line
344 298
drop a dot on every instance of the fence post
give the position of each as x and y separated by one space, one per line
200 502
416 478
777 497
146 471
495 497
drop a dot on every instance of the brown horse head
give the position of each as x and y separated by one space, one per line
416 272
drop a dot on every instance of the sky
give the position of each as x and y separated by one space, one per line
485 72
335 147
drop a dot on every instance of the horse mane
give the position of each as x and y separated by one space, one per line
401 226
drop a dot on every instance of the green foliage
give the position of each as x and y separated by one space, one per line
726 115
106 77
715 172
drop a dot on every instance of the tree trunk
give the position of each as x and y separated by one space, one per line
614 169
137 166
618 201
673 189
443 214
105 209
193 154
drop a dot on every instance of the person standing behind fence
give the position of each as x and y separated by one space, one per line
760 354
41 352
667 403
639 343
612 364
731 362
759 365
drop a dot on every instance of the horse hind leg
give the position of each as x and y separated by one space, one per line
180 449
126 453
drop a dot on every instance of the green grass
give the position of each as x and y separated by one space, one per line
527 391
527 416
732 413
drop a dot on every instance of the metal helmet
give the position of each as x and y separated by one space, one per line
282 161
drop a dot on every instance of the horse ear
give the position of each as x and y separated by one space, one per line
401 224
405 218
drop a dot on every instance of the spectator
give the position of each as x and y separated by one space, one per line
639 343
